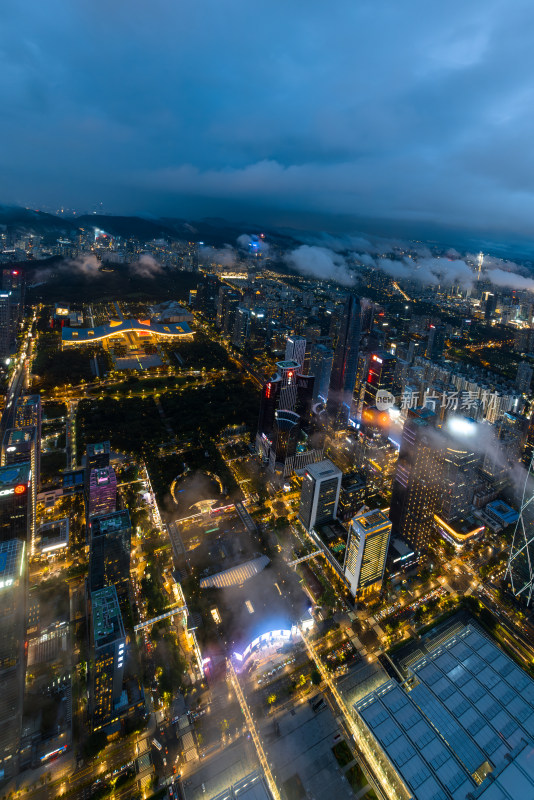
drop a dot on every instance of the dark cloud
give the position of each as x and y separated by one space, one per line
421 113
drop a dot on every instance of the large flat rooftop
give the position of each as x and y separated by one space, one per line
466 707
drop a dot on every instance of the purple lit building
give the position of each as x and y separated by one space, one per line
102 494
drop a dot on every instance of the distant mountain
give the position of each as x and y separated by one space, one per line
127 227
213 231
35 221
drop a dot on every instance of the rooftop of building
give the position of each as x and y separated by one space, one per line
464 709
103 476
514 779
13 475
372 520
14 436
333 535
98 448
29 400
351 481
53 535
106 616
103 524
117 327
322 469
287 364
502 510
11 561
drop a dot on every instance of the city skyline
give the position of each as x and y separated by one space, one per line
266 400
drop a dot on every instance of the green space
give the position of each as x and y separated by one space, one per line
132 425
195 414
204 411
54 367
203 353
170 665
356 777
164 469
342 753
116 281
52 464
53 409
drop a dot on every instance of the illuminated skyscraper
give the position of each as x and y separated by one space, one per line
416 490
102 498
108 644
12 635
16 520
270 397
288 374
241 327
97 455
5 324
285 437
296 350
435 342
28 413
21 446
319 495
380 376
520 567
366 553
110 545
345 364
321 367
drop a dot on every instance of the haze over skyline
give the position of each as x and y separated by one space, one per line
297 114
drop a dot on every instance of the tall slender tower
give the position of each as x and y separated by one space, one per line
345 364
520 567
480 262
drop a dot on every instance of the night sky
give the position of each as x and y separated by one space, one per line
289 110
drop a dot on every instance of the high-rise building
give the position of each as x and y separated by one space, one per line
102 497
269 401
321 368
288 392
241 327
227 303
296 350
28 412
380 376
5 325
520 567
352 495
510 434
12 661
435 342
523 378
16 520
345 364
416 487
285 437
490 306
458 473
108 645
110 546
21 446
366 553
97 455
319 495
207 294
305 387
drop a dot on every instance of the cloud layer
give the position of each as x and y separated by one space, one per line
273 108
